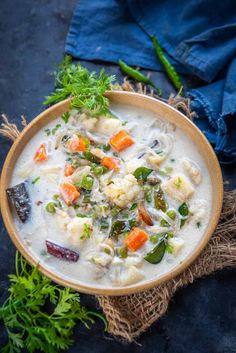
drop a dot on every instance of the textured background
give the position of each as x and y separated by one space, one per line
202 317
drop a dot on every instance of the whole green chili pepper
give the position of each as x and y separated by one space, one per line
170 70
138 76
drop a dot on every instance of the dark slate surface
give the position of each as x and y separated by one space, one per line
202 317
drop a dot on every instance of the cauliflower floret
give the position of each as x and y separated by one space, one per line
100 259
76 229
198 209
108 126
89 123
179 187
133 164
62 219
131 276
122 191
156 160
193 170
176 244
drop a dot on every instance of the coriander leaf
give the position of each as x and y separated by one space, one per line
86 88
65 117
40 315
54 130
178 183
35 180
48 131
86 231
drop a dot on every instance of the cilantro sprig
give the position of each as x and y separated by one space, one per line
40 315
86 88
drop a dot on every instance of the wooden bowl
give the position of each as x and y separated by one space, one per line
167 113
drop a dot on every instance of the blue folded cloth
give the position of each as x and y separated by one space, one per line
198 36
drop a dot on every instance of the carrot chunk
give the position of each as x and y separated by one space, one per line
136 238
110 163
69 193
78 144
41 154
68 170
121 141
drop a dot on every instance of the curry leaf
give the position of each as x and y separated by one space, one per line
142 173
156 254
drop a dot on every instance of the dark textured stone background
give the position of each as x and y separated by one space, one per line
202 317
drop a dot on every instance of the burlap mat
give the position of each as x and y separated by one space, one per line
129 316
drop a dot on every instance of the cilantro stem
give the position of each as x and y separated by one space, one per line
101 317
25 316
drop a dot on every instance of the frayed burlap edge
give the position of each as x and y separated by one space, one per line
129 316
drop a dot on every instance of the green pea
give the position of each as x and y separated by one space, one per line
154 238
99 170
50 207
171 214
163 223
87 182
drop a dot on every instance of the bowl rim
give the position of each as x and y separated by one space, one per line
107 290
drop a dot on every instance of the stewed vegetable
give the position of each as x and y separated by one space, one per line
61 253
106 197
19 197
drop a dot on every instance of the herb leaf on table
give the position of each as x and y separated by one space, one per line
40 315
86 88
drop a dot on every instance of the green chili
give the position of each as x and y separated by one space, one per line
121 252
159 200
50 207
163 223
138 76
170 70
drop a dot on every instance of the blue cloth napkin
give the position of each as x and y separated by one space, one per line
198 36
